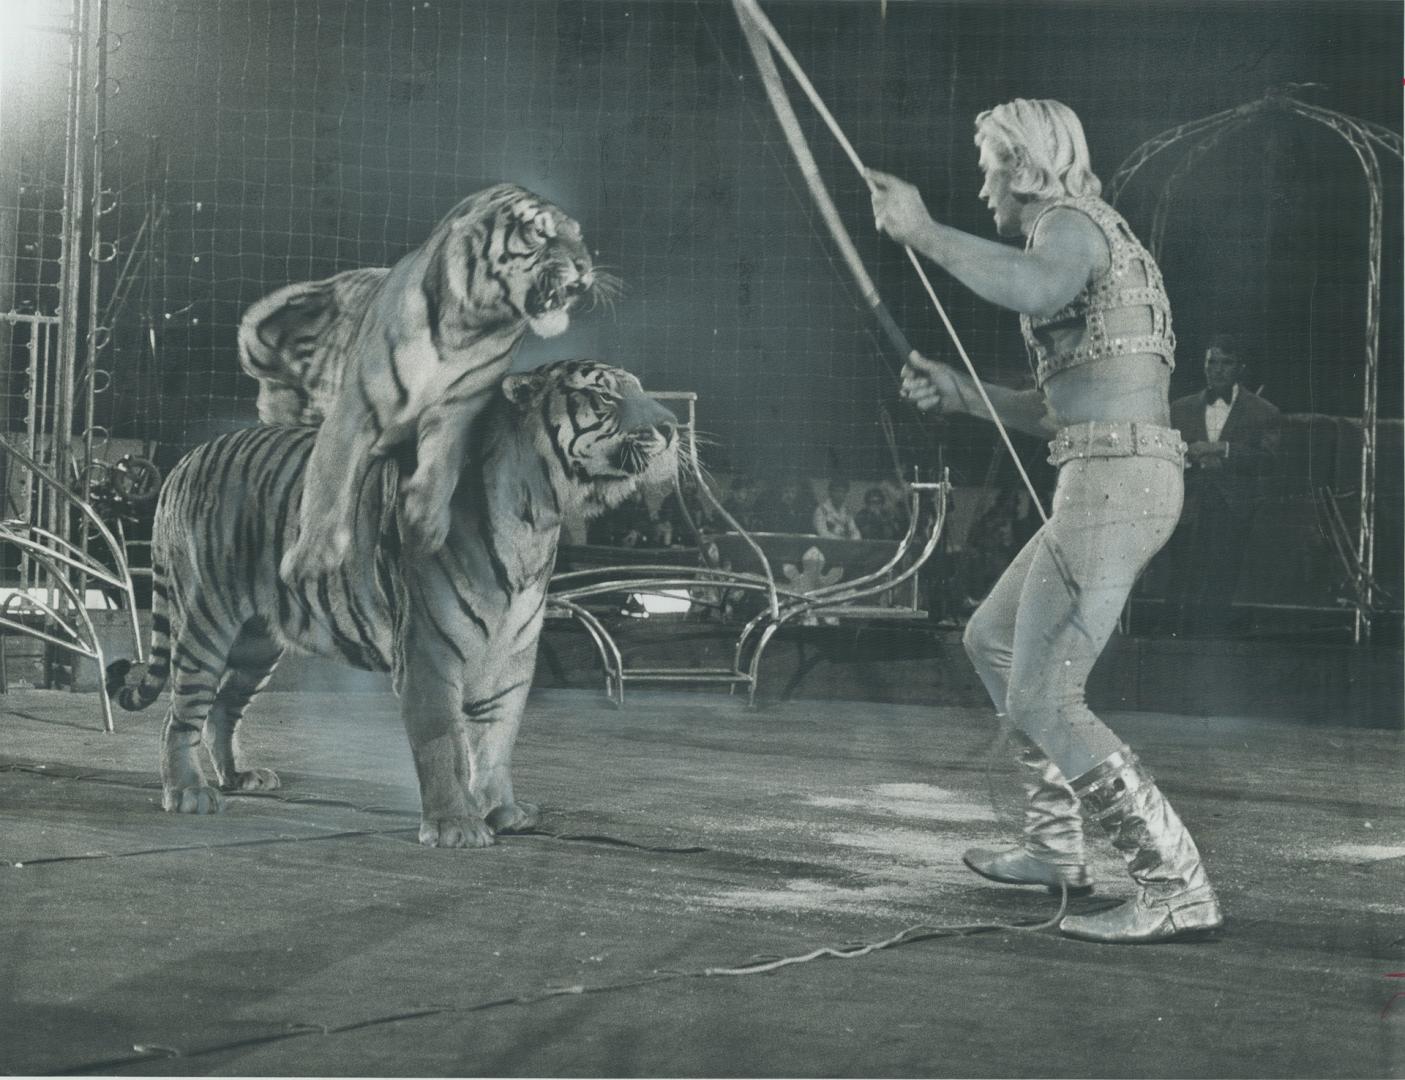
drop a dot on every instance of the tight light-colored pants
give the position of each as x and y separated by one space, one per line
1035 638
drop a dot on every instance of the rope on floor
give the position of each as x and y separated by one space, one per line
920 932
611 841
146 1052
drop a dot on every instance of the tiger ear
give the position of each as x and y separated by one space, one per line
522 389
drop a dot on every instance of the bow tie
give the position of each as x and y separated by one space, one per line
1212 396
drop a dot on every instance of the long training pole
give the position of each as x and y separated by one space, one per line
754 20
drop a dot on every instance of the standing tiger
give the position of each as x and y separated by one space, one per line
458 629
410 354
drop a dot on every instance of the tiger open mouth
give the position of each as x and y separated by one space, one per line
551 298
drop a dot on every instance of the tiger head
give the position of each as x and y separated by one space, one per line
509 258
597 429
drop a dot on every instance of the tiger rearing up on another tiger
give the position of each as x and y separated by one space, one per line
383 357
459 629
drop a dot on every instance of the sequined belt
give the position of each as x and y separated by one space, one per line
1097 439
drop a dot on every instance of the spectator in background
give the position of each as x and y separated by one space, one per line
630 524
663 534
695 506
877 521
1226 421
832 517
1233 445
742 501
788 507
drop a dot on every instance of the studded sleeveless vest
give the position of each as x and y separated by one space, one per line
1132 280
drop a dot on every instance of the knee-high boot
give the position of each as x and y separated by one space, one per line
1050 852
1175 897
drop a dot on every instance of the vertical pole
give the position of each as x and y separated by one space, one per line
58 417
39 337
98 336
11 180
70 277
9 271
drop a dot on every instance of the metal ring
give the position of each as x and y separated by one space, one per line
104 251
107 383
111 206
102 336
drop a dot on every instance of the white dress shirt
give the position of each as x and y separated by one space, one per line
835 522
1217 412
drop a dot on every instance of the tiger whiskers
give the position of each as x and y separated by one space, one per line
702 439
705 476
605 289
634 455
689 460
607 280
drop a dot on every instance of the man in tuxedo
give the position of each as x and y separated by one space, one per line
1233 446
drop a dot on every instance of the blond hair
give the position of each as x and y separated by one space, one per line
1044 142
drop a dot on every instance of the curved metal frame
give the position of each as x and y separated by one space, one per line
60 560
832 598
1364 138
784 605
694 462
81 639
75 556
649 579
610 658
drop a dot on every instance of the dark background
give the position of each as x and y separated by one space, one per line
290 140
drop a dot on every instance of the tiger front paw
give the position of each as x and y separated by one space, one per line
456 832
426 516
514 817
197 799
252 780
319 552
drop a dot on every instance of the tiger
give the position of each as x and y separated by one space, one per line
458 630
384 356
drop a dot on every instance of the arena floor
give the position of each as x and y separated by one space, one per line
305 932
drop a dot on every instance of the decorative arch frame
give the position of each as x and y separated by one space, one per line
1193 140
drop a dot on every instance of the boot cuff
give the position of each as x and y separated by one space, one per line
1108 785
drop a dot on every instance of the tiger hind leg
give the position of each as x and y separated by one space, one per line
184 789
252 660
198 663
